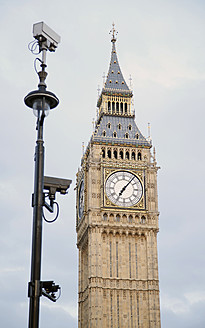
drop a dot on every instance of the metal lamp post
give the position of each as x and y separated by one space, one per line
41 101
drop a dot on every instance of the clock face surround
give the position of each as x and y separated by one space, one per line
123 188
81 200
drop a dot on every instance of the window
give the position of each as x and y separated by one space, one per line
125 108
133 155
118 218
104 134
105 217
127 155
115 154
121 154
137 136
130 127
130 218
113 107
117 107
119 126
139 156
108 106
109 153
109 125
114 134
103 153
121 108
143 220
126 135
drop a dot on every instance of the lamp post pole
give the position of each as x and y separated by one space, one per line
40 100
37 227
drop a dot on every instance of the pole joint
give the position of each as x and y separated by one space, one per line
34 288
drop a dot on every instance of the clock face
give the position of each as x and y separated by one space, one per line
81 200
123 188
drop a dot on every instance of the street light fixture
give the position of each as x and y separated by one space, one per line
42 101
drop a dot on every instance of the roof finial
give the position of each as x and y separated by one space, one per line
114 33
103 77
130 79
149 131
98 90
83 148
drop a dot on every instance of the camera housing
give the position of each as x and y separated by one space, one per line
46 36
54 185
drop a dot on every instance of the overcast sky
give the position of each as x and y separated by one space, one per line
162 45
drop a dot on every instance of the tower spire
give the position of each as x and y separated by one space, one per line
115 80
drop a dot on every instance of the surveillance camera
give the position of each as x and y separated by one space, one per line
46 36
56 185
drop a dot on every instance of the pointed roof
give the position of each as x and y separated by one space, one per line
115 82
115 79
119 130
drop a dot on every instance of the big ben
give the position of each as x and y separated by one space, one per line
117 216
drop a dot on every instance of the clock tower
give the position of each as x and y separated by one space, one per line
117 216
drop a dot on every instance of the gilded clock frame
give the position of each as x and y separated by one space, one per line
81 178
105 201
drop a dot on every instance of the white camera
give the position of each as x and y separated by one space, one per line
46 36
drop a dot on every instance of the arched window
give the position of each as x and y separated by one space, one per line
105 217
115 154
111 218
109 107
119 126
121 154
114 134
137 136
117 107
143 219
139 156
113 107
126 135
103 153
109 125
104 134
121 108
109 153
118 218
130 127
127 155
133 155
125 108
130 218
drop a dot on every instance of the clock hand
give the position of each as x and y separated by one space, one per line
123 189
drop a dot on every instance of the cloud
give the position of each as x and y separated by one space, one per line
186 311
195 297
